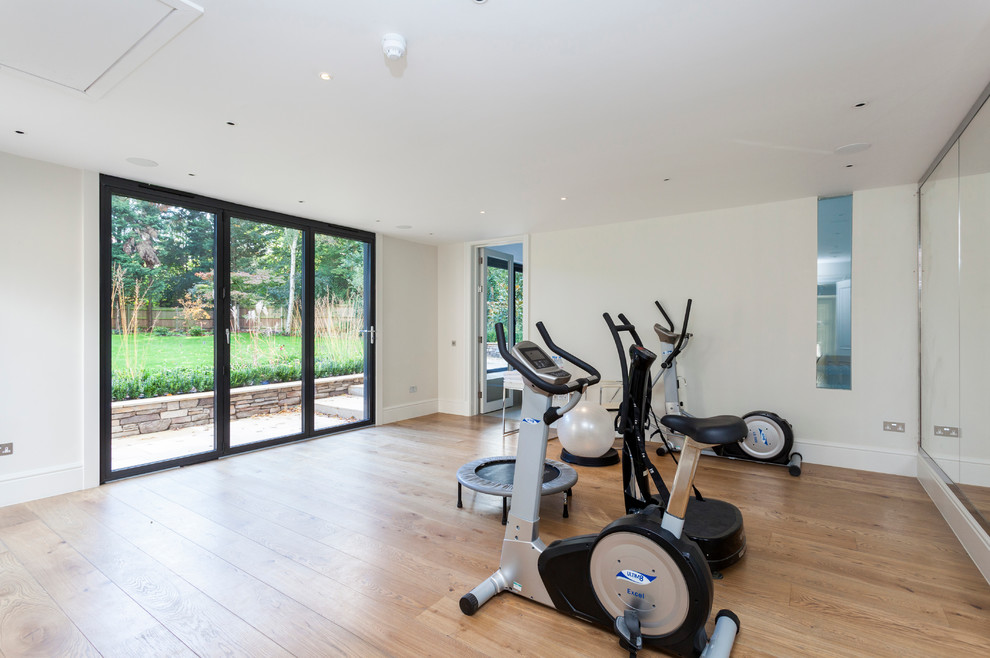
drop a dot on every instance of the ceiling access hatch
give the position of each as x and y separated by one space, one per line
91 45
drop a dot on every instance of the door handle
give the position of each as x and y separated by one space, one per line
370 332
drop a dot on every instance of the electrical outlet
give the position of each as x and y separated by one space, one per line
944 430
6 449
412 389
890 426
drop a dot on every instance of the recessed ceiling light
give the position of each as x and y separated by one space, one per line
403 227
19 132
482 212
326 76
849 149
666 180
848 166
563 198
231 123
301 201
860 104
191 174
142 162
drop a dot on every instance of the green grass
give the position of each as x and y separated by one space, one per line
197 351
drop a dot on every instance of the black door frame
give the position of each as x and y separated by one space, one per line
223 212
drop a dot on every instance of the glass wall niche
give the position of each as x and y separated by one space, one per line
834 345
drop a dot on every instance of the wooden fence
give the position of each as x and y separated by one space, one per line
248 319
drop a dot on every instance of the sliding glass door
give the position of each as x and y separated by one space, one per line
344 338
265 337
160 334
225 329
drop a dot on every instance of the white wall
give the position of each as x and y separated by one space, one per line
42 385
454 329
752 274
49 329
407 329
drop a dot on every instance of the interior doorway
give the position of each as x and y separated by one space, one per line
500 299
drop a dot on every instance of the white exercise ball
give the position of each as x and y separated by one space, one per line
587 430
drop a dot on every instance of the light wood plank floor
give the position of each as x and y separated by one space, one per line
353 545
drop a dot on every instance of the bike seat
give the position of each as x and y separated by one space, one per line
715 430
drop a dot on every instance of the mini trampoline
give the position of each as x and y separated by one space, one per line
493 476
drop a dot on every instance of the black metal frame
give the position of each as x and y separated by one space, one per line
224 211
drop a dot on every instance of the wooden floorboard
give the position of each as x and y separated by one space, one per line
352 545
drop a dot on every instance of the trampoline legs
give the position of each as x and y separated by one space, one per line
566 494
505 509
459 503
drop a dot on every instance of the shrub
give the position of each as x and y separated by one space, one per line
160 331
176 381
196 331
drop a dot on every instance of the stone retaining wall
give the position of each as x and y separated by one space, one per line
173 412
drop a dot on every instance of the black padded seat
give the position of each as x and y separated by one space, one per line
715 430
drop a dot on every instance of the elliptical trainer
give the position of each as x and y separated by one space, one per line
769 437
715 525
640 576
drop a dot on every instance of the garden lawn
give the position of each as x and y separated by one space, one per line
152 352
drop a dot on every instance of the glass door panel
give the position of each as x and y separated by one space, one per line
498 305
161 323
343 335
266 274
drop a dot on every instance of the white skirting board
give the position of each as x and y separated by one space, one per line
42 483
455 407
973 538
399 412
975 472
863 458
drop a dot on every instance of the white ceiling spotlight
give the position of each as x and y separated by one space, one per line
394 46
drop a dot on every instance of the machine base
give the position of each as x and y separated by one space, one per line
717 527
610 458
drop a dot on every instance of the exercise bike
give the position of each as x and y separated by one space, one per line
640 576
769 437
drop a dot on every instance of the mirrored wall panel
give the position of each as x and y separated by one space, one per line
940 314
974 313
955 316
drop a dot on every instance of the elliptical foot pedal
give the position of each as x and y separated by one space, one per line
628 629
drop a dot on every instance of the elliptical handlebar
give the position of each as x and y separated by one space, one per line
683 335
527 372
670 323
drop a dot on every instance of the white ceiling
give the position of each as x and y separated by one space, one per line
509 105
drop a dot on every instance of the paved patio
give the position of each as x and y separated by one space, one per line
170 444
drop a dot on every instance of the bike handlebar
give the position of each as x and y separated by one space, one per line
527 372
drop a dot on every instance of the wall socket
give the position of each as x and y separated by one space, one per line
6 449
412 389
890 426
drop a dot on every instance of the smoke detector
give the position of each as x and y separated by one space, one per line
394 46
